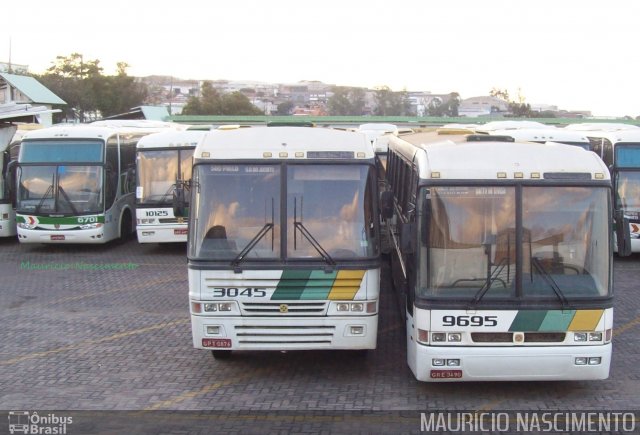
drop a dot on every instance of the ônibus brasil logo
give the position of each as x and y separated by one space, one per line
32 423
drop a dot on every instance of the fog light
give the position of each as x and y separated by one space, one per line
581 361
579 336
226 306
437 362
342 307
148 233
357 307
357 330
453 362
438 337
594 361
213 330
595 336
210 307
455 336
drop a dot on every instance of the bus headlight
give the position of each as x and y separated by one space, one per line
579 336
26 226
90 226
353 308
595 336
215 307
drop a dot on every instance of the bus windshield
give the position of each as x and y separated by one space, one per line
158 171
66 189
469 248
328 208
50 151
628 190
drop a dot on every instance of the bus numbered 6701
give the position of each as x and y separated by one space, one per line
502 257
283 241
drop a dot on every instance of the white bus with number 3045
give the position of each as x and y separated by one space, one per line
283 241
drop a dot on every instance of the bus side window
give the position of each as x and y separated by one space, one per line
111 173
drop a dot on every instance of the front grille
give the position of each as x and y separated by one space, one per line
492 337
544 337
283 334
284 309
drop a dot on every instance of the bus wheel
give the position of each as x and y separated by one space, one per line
125 227
221 354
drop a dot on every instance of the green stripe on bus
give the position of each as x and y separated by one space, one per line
529 320
67 220
557 320
292 284
319 285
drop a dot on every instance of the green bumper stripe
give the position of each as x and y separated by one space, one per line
70 220
291 285
528 320
557 320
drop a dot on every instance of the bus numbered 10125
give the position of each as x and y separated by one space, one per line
283 250
502 257
76 184
164 164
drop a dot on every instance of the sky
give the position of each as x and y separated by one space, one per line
575 54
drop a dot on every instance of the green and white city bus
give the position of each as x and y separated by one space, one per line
502 257
7 212
283 250
76 184
164 164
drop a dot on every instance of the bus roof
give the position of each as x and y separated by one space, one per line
509 125
550 134
453 157
172 139
85 131
616 136
601 126
283 143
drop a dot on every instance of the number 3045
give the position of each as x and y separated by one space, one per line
470 320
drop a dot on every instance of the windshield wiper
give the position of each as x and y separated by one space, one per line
41 203
255 240
549 280
73 208
299 226
488 283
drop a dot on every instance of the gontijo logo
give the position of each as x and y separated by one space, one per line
31 423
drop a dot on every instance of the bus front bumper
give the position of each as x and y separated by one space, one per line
514 363
284 333
162 234
93 235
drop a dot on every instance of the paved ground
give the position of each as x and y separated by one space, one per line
112 332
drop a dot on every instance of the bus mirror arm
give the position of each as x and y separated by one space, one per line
178 202
407 238
623 234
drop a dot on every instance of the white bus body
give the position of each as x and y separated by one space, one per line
164 162
501 259
7 212
283 241
75 184
542 135
620 151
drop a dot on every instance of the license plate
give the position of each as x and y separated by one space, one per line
446 374
216 342
180 232
57 237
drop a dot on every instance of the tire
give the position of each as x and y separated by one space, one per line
125 227
221 354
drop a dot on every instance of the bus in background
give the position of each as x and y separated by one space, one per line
7 212
620 151
600 126
75 184
164 162
542 135
283 249
502 257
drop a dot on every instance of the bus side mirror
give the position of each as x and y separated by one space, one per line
386 204
623 234
408 238
178 202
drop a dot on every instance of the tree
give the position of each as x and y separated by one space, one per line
285 108
449 107
212 102
346 101
390 103
503 94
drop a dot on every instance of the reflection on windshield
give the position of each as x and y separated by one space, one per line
158 172
60 189
329 212
628 194
333 205
471 243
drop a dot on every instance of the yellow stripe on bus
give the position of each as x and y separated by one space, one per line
346 284
585 320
